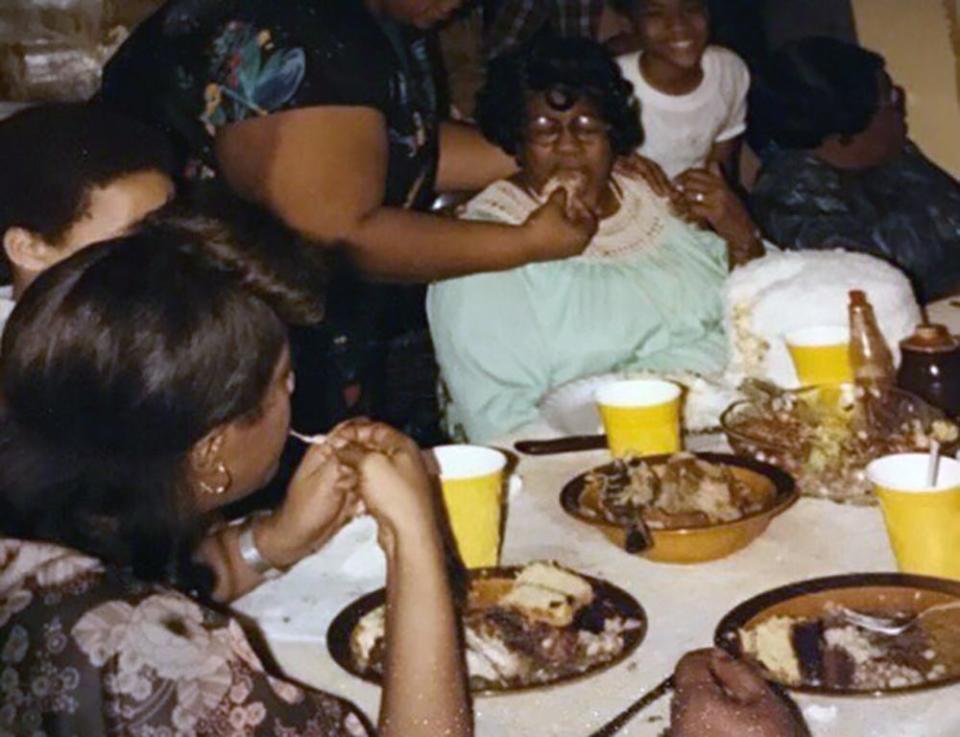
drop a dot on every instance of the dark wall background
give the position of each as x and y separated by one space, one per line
754 27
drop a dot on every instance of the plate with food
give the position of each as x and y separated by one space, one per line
826 436
873 634
680 508
525 627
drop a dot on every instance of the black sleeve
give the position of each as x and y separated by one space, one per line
348 58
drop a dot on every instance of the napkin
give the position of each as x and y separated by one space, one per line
301 604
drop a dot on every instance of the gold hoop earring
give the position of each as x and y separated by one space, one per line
223 482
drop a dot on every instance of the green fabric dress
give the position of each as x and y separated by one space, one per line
645 295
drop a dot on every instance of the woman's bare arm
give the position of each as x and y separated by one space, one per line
422 645
727 155
468 161
424 685
322 171
220 552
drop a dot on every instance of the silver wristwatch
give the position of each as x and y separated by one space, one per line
251 553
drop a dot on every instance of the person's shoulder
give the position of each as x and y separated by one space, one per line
722 57
914 159
332 27
348 59
502 202
630 69
789 163
629 61
791 177
634 188
726 66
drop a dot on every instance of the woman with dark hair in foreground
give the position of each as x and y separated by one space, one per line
145 388
841 172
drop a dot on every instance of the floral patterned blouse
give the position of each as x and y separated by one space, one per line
85 650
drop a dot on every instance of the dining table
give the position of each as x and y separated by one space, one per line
683 603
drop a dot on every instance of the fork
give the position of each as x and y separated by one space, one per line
308 439
889 626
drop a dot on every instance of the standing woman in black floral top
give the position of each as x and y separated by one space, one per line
144 389
326 113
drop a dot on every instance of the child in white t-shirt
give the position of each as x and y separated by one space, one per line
692 95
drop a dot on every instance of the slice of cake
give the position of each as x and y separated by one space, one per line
832 652
771 643
548 593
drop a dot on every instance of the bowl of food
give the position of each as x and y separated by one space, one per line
680 508
826 436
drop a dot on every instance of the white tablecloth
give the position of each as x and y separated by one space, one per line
683 603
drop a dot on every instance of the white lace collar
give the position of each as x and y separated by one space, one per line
636 226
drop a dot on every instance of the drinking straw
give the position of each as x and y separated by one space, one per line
933 466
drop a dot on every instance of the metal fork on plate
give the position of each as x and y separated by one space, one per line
889 625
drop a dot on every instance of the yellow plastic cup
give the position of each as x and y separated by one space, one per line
640 416
923 521
472 480
821 354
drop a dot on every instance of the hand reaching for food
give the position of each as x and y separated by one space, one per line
560 228
573 184
719 696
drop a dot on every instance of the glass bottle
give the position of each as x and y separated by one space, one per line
870 357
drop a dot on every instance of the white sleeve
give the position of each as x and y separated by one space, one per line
734 90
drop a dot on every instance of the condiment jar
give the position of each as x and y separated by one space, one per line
930 367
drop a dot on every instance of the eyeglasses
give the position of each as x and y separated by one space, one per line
585 128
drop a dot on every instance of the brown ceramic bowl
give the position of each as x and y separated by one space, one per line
696 543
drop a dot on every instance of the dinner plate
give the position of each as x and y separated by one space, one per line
340 633
571 408
693 543
874 593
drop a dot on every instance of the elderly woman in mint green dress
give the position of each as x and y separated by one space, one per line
646 294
